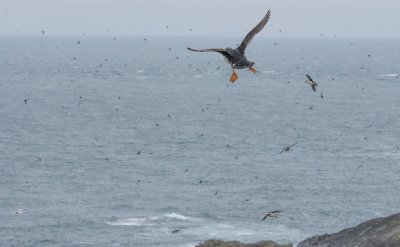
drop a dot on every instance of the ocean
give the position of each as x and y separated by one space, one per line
119 141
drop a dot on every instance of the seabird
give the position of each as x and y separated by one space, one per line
287 148
272 214
235 57
312 83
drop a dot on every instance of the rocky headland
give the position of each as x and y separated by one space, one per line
379 232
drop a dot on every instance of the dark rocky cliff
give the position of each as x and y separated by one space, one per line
380 232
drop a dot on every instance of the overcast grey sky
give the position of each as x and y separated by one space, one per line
344 18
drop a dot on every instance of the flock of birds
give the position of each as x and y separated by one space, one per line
237 59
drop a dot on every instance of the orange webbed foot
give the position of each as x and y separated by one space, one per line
234 77
253 70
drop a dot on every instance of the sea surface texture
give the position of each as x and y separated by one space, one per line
120 141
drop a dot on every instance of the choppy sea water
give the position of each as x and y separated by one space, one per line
118 142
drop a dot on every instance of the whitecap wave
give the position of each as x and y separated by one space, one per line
130 222
388 76
148 221
176 216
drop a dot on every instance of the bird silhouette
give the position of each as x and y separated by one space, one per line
311 82
272 214
287 148
236 57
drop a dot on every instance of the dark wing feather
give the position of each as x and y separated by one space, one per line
313 88
276 211
246 41
309 77
219 50
265 217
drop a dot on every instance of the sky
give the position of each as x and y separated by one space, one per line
289 18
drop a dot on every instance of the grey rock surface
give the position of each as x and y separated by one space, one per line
379 232
220 243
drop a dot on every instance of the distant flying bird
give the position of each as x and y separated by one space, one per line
287 148
312 83
272 214
235 57
42 31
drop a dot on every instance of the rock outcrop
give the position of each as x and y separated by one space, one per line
380 232
220 243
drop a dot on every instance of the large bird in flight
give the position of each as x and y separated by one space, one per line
235 57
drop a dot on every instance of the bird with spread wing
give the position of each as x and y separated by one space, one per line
311 82
272 214
236 57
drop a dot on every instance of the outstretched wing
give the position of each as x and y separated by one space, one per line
246 41
219 50
309 77
276 211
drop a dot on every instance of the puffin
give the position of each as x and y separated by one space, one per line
236 57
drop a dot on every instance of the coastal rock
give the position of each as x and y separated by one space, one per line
220 243
379 232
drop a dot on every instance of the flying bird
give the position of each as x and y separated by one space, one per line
287 148
42 31
272 214
235 57
312 83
